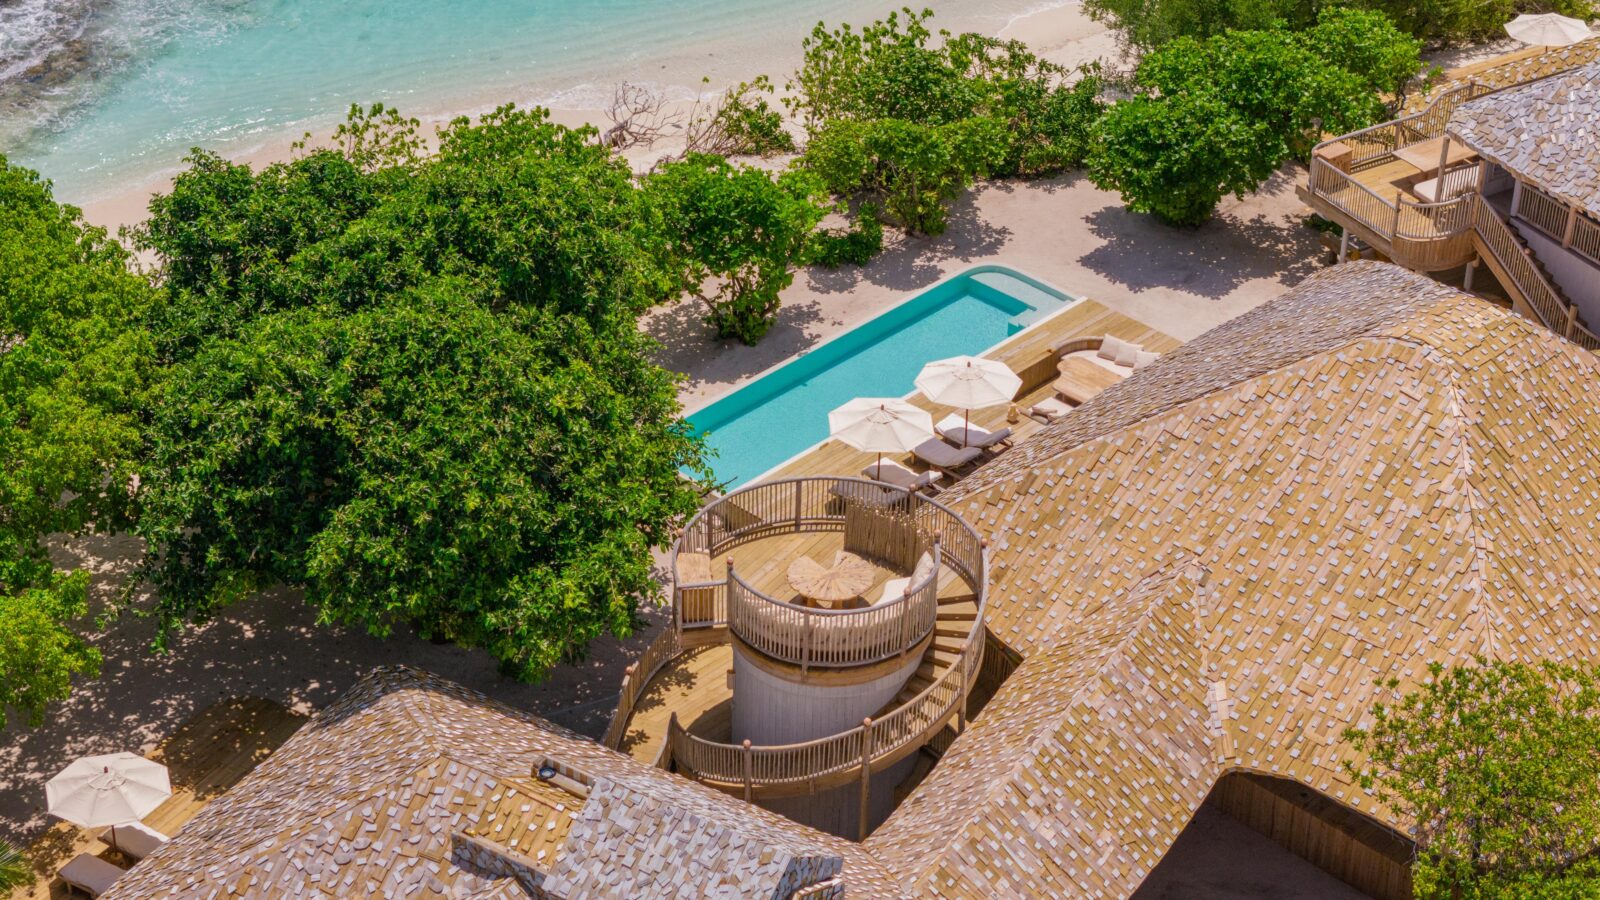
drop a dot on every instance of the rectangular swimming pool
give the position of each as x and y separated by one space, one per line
785 411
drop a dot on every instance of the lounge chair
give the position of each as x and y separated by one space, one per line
875 496
891 472
895 588
963 433
89 874
135 839
944 457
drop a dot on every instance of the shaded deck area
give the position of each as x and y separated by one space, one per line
207 755
1029 354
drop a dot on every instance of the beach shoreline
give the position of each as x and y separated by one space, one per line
1057 31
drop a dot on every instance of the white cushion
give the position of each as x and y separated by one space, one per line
1144 358
1127 354
923 569
1110 346
139 840
894 589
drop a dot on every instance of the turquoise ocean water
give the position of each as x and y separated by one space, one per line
95 93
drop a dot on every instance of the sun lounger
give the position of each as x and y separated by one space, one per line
944 457
1078 379
891 472
136 839
89 874
875 496
962 433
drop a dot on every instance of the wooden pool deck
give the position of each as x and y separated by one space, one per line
1029 355
207 755
695 684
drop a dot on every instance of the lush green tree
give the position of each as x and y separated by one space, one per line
1176 157
741 123
857 245
1369 46
735 234
1219 116
1498 764
912 171
893 69
75 367
15 870
1149 24
416 390
1443 22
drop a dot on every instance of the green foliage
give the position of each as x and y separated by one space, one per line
890 71
1368 45
75 368
856 245
418 392
911 170
742 123
738 229
1442 22
1499 766
1177 157
1218 116
15 870
375 138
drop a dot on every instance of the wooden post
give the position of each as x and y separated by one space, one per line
799 499
628 688
1444 156
866 777
1572 225
1516 197
1572 319
1466 280
1344 245
1483 175
1395 231
749 766
805 650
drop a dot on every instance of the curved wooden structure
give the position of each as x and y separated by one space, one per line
877 521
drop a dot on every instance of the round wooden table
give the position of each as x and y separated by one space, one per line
831 586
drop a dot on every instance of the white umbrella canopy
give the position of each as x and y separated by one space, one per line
880 425
968 382
105 790
1548 30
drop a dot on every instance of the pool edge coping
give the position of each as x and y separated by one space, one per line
1073 301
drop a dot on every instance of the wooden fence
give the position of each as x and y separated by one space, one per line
1541 296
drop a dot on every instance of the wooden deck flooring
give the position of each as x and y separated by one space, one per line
1029 355
695 684
206 756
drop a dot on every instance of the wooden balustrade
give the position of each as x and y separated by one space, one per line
635 677
1560 221
891 524
829 638
1545 301
836 759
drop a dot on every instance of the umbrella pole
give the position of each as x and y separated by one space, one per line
966 426
877 470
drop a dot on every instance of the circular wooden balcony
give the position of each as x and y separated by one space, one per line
730 587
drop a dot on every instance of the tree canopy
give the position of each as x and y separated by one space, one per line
416 390
1219 116
734 235
75 368
1498 764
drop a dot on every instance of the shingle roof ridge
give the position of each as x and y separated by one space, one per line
1160 583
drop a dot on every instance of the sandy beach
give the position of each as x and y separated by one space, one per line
1060 33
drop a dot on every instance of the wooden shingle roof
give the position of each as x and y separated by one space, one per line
1545 131
1368 475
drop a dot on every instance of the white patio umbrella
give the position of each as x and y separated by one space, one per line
968 382
880 425
1548 30
105 790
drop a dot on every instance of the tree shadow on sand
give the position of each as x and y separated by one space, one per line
1141 253
689 345
909 263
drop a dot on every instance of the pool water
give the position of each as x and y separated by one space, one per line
785 411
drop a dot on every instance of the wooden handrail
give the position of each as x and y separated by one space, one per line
660 652
1542 296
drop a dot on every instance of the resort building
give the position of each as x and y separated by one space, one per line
1175 598
1499 170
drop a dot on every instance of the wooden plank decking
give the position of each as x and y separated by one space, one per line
695 684
206 756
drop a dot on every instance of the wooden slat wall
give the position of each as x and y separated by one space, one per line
1333 837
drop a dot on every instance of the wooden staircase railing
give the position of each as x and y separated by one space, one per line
1509 256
